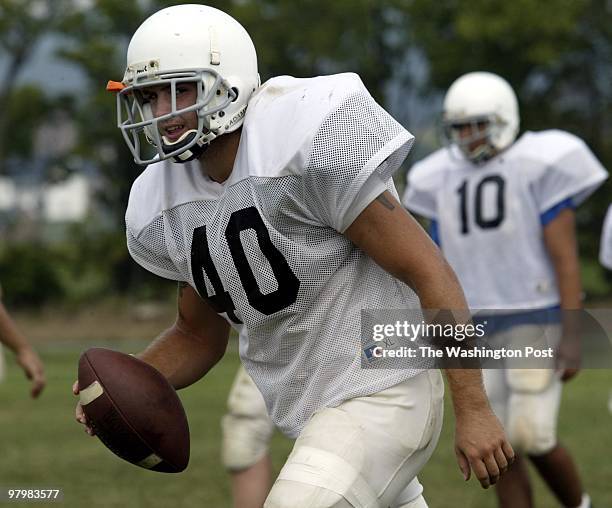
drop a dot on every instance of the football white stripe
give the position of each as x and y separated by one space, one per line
150 461
91 393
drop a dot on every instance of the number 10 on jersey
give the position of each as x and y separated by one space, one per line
466 212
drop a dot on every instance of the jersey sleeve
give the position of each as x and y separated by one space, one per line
150 253
145 229
353 155
574 173
418 199
422 184
605 247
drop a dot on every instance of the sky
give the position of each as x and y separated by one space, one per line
44 68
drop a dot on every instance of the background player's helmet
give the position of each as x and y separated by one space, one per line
487 103
187 43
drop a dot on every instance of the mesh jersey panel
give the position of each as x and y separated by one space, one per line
150 251
300 342
344 154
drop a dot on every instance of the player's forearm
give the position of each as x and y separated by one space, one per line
437 287
444 292
10 334
570 299
566 265
467 391
568 281
182 356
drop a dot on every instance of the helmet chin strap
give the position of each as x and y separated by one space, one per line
191 153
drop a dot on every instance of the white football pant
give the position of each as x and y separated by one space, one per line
366 452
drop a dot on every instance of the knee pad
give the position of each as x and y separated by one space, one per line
496 388
532 421
291 494
246 428
245 441
530 380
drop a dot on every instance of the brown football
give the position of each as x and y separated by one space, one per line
134 411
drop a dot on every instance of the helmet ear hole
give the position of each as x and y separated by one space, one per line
235 90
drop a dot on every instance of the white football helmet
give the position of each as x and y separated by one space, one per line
486 104
186 43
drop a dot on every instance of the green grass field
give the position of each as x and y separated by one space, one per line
42 446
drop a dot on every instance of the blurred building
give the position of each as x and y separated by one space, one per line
65 201
40 192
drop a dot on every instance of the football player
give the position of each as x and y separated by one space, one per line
502 211
605 247
605 258
274 208
246 433
26 356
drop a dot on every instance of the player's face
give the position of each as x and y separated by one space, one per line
160 100
473 134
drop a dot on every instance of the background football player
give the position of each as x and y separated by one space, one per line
502 212
282 221
246 433
605 247
26 356
605 258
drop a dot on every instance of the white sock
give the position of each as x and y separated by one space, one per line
585 502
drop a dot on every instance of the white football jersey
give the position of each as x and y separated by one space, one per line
488 216
605 247
265 248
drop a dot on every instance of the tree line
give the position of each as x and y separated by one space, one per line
555 54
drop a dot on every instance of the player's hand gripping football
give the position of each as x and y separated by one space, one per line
79 413
481 446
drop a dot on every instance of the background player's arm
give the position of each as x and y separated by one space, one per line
26 356
393 238
562 246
